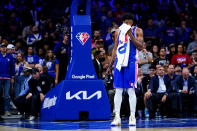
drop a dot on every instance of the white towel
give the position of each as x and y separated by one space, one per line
123 47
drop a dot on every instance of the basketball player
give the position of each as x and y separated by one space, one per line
125 79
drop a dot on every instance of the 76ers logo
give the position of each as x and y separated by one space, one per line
82 37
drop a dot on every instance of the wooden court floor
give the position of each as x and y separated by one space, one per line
168 124
5 128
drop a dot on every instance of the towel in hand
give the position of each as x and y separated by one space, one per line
123 47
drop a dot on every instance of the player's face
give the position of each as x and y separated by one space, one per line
129 22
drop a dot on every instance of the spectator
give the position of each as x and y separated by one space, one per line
19 75
162 60
171 74
155 52
95 37
3 40
195 73
145 59
27 73
62 52
35 94
35 37
180 57
46 78
41 56
27 30
19 45
145 83
151 32
53 65
139 91
11 51
6 76
108 81
178 70
109 41
97 64
46 40
52 80
99 45
20 100
158 91
173 104
169 33
31 58
194 58
13 26
186 86
183 32
172 51
192 46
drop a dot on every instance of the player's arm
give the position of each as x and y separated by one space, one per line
138 42
114 51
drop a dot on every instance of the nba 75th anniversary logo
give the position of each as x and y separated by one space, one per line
82 37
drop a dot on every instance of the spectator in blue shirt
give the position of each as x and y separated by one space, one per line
53 65
41 56
183 32
151 32
31 58
20 100
19 74
6 75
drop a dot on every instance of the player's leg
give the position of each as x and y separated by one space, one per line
132 104
131 83
118 84
117 106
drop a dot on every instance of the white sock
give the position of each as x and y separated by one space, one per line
118 101
132 101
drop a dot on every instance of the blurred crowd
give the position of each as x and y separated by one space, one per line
35 48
